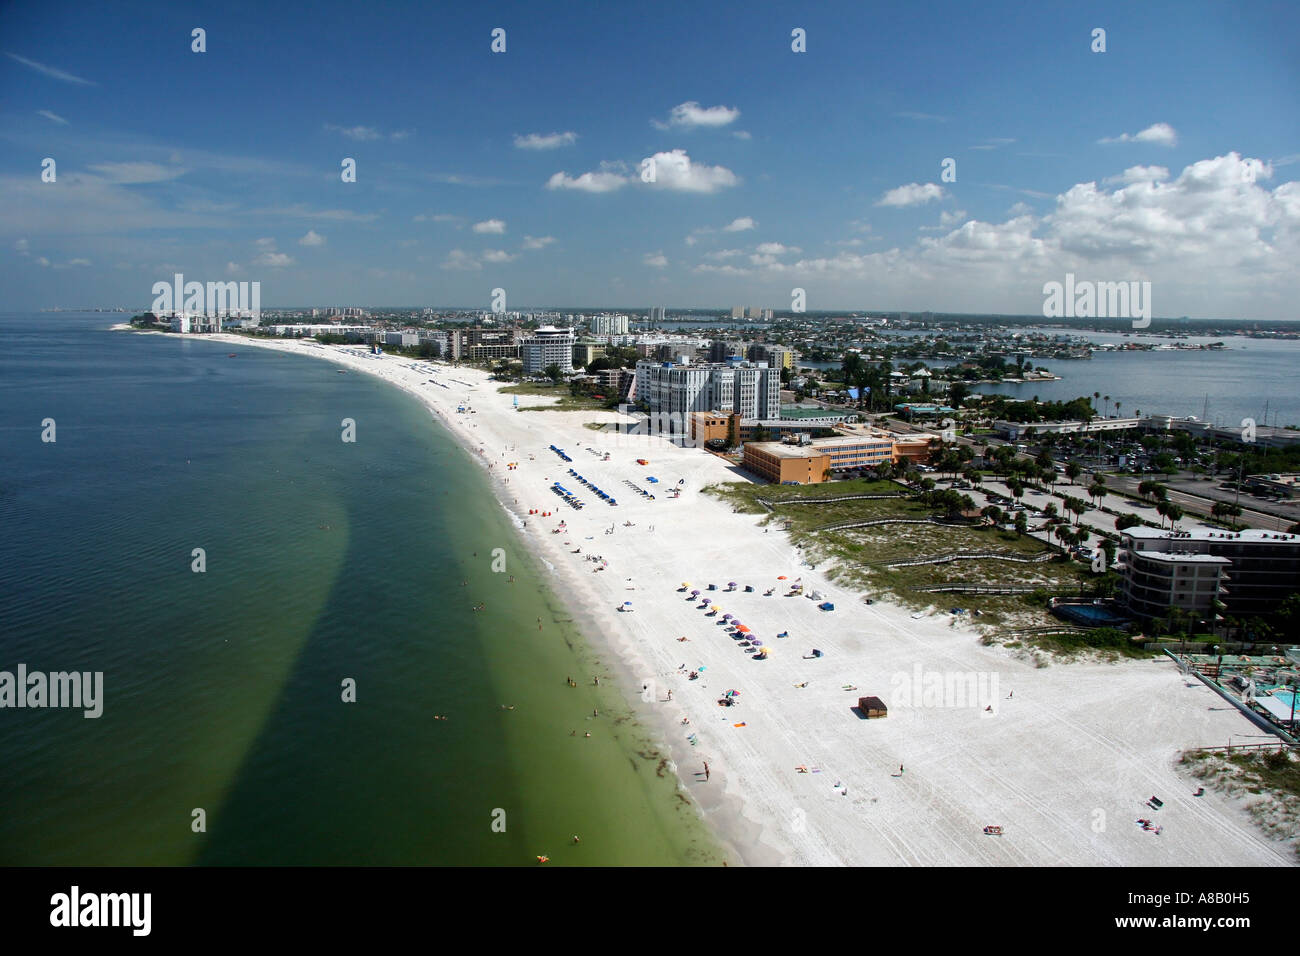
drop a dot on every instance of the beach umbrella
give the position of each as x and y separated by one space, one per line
755 641
714 607
742 629
627 602
780 577
686 584
763 652
695 591
731 584
728 617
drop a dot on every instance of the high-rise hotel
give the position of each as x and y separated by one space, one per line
751 391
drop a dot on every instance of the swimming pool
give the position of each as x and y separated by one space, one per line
1089 615
1285 697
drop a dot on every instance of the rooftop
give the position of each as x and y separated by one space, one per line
1210 534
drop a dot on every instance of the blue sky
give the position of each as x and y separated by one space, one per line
1171 157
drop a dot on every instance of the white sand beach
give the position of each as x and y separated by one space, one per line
1064 762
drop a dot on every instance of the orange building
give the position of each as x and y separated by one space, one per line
814 460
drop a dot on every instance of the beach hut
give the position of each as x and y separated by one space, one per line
872 707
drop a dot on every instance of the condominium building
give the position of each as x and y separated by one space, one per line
609 325
1250 571
586 351
751 391
545 347
616 382
477 342
777 356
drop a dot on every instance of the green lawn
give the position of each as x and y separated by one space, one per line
861 555
564 402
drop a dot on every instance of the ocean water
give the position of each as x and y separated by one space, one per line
325 561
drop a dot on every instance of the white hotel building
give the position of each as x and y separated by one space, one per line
547 346
752 391
1250 571
609 325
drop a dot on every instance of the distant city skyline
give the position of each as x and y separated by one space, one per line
943 159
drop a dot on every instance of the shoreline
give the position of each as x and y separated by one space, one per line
763 809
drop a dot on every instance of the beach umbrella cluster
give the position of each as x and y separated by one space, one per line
569 498
560 452
603 496
739 632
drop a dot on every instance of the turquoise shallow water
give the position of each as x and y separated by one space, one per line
325 561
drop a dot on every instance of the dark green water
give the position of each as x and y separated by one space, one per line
325 561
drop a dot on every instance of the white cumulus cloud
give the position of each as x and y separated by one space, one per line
674 170
541 141
274 260
313 238
602 181
691 115
1160 133
460 260
494 227
913 194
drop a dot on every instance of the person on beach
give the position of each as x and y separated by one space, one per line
670 695
706 771
900 769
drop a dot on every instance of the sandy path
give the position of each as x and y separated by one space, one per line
1064 765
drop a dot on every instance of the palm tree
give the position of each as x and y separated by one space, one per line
1106 399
